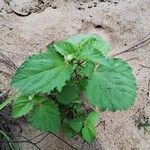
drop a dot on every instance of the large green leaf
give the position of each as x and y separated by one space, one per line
22 106
112 87
42 73
46 117
89 132
69 94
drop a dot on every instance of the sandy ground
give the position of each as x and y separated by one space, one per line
123 23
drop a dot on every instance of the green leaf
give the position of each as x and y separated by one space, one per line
147 127
46 117
68 94
78 108
90 48
112 87
89 132
22 106
86 47
89 53
42 73
39 99
86 70
82 84
66 49
76 124
68 131
93 118
82 40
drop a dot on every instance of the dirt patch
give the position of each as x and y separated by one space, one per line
122 23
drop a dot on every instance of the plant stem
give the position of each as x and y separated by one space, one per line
8 100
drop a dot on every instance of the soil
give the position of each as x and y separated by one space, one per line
123 23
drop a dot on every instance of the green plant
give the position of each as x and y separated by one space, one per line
58 86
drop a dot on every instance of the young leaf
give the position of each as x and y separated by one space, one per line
93 118
147 128
46 117
76 124
66 49
22 106
94 40
42 73
89 53
112 87
78 108
68 94
86 49
89 132
68 131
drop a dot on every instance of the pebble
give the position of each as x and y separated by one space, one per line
90 6
23 7
54 7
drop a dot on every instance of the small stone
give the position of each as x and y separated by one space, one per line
98 26
54 7
90 6
10 28
79 8
23 7
115 2
102 1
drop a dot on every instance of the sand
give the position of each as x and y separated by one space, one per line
123 23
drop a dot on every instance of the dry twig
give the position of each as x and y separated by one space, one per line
136 46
